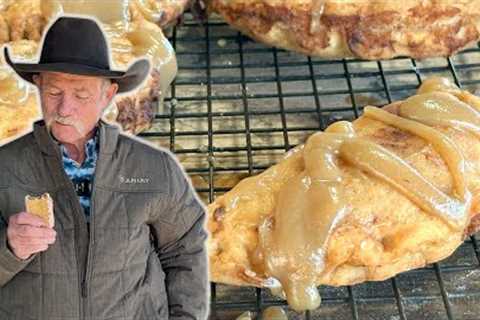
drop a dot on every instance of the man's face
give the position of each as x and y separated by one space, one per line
73 104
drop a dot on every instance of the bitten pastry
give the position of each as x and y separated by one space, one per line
42 207
396 189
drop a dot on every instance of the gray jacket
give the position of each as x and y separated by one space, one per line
143 256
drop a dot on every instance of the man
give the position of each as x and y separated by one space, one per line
128 241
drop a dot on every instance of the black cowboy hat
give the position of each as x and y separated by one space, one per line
77 45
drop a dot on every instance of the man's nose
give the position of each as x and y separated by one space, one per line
66 107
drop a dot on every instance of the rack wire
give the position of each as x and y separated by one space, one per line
236 106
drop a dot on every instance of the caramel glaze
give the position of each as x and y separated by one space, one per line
146 38
151 15
293 241
105 11
318 8
274 313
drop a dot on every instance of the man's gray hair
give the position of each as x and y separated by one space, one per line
105 83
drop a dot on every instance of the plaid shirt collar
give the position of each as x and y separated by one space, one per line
91 152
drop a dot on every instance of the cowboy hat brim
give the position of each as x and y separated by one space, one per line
126 80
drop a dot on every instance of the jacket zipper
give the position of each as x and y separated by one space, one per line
90 230
82 269
83 222
84 281
84 289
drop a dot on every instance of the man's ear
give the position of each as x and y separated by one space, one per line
111 91
109 94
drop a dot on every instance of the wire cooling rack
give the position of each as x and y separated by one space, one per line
236 106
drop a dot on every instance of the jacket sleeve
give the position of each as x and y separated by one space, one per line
180 237
10 265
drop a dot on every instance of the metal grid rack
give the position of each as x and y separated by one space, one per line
236 106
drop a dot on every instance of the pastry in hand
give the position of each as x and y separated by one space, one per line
41 206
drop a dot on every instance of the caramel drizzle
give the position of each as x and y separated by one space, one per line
414 186
318 9
146 38
151 15
311 205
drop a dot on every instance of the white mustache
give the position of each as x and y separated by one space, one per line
64 120
68 121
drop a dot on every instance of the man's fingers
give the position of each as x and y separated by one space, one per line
27 242
24 251
27 231
28 234
25 218
40 248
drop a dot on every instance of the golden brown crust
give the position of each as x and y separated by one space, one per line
4 30
136 112
474 226
21 20
365 29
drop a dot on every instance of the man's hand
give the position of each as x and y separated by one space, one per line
28 234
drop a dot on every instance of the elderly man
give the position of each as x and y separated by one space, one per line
128 241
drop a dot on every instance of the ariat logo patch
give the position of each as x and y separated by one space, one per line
134 180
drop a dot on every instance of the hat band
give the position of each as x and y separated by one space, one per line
76 60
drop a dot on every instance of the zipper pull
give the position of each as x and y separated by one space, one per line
84 289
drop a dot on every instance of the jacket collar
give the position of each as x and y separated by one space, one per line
108 135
